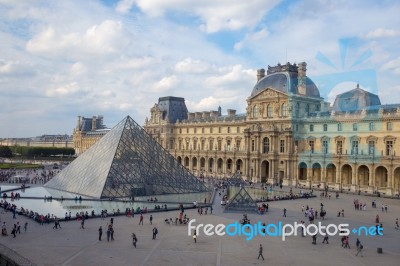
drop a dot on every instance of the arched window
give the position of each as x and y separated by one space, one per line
266 145
269 110
255 111
283 109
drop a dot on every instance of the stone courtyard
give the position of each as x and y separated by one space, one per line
43 245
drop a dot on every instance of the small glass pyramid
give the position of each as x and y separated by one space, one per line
242 202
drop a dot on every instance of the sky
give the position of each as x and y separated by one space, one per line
62 59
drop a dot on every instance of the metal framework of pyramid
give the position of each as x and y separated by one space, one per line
242 202
126 162
236 179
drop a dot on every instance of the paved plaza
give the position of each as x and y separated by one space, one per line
71 245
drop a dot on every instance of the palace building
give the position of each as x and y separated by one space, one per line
288 135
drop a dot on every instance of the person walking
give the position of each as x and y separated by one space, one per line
314 239
155 232
151 219
260 252
359 249
100 232
134 239
112 233
18 231
141 219
284 212
397 224
26 226
83 223
358 243
346 243
326 238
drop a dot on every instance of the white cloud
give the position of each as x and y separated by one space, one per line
106 37
381 33
251 37
230 76
215 15
393 65
78 69
188 65
165 84
65 90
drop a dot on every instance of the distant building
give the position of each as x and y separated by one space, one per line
87 132
288 135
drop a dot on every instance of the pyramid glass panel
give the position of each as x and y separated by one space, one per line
242 202
126 162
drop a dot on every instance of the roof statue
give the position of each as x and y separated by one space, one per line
242 202
126 162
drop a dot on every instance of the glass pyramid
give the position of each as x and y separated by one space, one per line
242 202
126 162
236 180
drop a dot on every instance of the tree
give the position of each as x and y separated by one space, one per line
5 152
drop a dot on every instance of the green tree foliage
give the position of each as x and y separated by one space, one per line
5 152
42 151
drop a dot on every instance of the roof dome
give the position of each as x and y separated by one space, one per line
285 79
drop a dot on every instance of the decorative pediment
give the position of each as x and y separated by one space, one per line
340 138
389 138
268 94
371 138
355 138
311 138
325 138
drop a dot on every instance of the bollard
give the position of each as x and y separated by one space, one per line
380 250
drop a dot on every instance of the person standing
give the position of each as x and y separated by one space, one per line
134 239
357 243
112 233
83 223
141 219
314 239
26 226
151 219
155 232
100 232
284 212
397 224
108 234
260 252
194 235
18 228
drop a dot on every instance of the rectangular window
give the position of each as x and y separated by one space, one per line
202 130
187 145
202 144
211 130
371 147
195 145
311 128
219 145
219 130
171 144
229 130
371 126
238 145
354 147
389 126
389 147
282 147
187 131
238 130
325 127
172 131
325 146
339 147
180 131
195 130
180 144
339 127
311 146
211 145
253 145
355 127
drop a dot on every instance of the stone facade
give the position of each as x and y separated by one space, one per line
290 135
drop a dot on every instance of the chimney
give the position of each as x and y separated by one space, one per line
191 116
301 76
94 123
214 114
199 115
206 114
78 124
260 73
